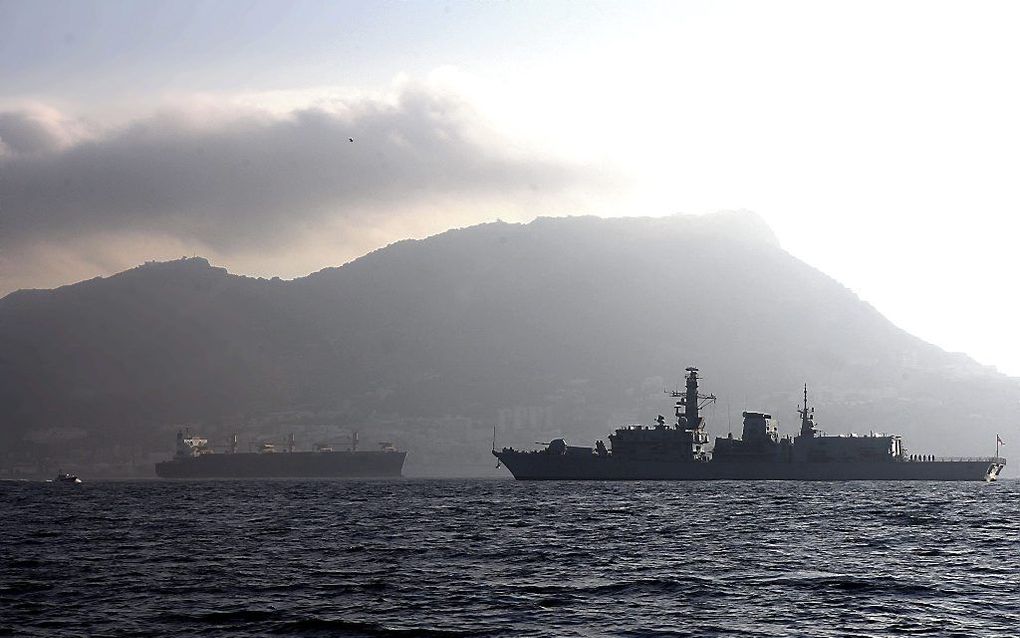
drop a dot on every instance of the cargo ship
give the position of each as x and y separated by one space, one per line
195 459
679 451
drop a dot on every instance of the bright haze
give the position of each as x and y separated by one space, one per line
878 140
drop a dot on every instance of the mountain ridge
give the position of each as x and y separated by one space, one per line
569 320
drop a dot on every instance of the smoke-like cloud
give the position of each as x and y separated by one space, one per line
34 131
236 180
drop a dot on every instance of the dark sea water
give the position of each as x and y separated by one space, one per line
502 558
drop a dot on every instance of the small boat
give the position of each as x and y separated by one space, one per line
64 477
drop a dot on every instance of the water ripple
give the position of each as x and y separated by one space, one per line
502 558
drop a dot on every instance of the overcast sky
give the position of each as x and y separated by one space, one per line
879 140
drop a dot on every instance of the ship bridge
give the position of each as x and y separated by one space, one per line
685 440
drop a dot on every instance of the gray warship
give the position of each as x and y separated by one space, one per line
679 452
195 459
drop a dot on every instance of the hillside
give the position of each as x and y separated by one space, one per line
563 326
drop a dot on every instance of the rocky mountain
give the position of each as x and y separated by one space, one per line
560 327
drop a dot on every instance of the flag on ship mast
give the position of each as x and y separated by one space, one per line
999 441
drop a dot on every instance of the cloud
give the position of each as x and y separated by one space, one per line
231 179
261 188
35 130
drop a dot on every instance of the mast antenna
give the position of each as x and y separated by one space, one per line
807 426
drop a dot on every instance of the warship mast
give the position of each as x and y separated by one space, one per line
807 415
690 401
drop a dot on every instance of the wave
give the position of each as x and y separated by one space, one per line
314 626
232 617
689 584
847 583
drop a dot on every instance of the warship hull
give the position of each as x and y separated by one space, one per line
535 466
343 464
680 452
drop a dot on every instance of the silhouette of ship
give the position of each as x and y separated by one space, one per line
678 452
195 459
64 477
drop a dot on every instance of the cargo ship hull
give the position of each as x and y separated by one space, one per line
541 466
342 464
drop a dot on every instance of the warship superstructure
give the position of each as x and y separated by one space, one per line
194 458
679 451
